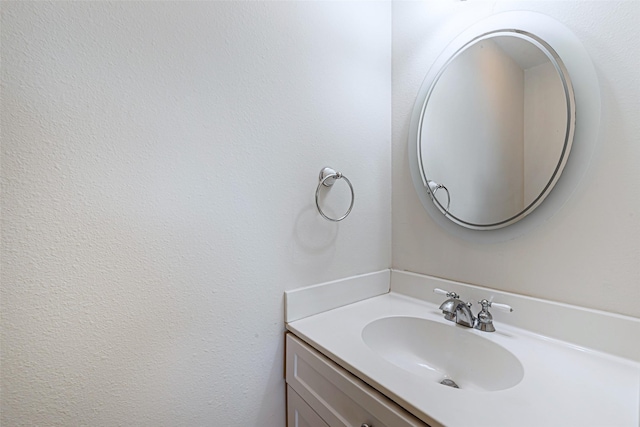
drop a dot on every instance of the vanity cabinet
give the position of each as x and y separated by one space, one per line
320 393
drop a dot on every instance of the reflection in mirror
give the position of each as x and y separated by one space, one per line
496 129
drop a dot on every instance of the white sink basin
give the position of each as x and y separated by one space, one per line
440 352
404 348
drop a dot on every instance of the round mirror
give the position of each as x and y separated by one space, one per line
496 129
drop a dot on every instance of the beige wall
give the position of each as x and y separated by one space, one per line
587 254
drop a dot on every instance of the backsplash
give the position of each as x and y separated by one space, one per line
583 327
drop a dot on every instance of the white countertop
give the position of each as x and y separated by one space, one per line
563 384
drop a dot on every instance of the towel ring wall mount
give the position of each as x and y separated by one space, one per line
327 178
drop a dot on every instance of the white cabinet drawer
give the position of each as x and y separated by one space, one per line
299 414
336 395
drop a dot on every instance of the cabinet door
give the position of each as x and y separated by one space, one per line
299 414
337 396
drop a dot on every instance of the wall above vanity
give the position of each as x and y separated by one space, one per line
580 245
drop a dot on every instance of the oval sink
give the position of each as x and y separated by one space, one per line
443 353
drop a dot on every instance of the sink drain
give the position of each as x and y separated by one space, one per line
449 383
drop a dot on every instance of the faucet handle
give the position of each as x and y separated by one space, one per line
484 321
446 293
502 307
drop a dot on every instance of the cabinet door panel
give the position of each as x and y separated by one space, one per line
299 414
340 398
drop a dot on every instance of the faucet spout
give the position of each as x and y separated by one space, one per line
449 307
456 310
464 316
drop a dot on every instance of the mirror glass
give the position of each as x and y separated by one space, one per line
496 129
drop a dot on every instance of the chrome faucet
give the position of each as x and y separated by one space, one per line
456 310
464 316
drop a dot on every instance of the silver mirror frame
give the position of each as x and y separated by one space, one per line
568 137
576 62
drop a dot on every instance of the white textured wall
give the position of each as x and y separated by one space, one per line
159 162
588 253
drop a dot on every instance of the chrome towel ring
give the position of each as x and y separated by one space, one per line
434 187
327 178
